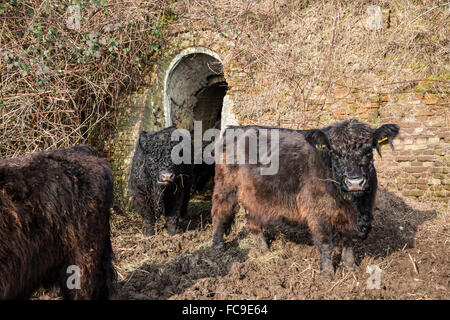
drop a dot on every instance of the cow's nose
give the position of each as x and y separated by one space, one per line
166 176
354 183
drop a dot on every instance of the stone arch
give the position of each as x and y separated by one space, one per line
194 89
170 95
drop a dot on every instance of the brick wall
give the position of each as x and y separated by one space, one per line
420 163
418 167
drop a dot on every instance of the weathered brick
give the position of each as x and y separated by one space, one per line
433 140
406 181
422 186
428 151
418 146
441 194
362 110
416 193
433 181
437 170
424 158
415 169
402 158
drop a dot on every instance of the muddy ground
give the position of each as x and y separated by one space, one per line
409 243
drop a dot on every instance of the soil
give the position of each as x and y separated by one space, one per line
409 243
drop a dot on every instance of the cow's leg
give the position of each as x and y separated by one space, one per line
187 184
365 206
258 235
174 206
95 270
322 237
348 258
149 222
223 210
147 214
78 281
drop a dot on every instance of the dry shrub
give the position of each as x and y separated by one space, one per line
59 85
59 82
294 51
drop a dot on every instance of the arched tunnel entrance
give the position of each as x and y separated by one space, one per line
185 86
194 90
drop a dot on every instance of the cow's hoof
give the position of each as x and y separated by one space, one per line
172 230
262 247
260 243
348 258
218 245
327 270
328 274
349 268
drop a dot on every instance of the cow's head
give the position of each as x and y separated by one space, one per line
351 154
156 148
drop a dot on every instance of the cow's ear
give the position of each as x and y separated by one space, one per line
384 135
143 140
318 139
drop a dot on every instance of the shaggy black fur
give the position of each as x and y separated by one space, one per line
54 212
351 154
310 185
151 196
301 191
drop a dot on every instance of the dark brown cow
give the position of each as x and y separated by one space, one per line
54 220
300 191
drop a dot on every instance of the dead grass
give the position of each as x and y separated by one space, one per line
59 85
186 267
294 52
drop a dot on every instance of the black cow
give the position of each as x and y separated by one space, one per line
352 164
54 220
157 184
317 183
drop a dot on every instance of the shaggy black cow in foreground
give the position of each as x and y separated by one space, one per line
157 184
352 165
326 178
54 219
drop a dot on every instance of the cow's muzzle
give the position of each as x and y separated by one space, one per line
354 183
166 178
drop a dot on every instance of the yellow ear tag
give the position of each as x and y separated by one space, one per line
382 140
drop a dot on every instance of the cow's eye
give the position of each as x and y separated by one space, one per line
366 160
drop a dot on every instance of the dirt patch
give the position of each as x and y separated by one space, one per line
409 243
